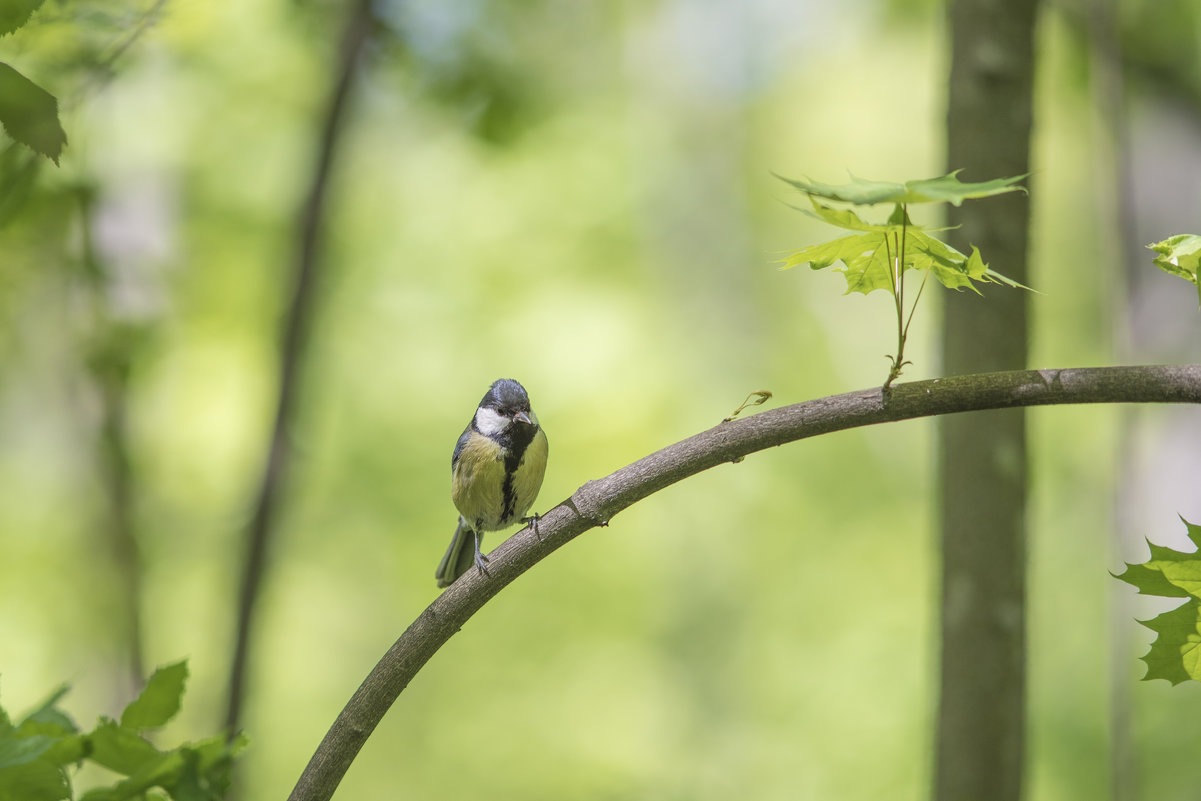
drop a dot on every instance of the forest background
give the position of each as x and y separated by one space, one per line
579 196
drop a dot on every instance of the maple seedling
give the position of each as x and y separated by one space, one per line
877 255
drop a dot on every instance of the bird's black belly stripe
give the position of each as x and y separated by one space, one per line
515 440
508 497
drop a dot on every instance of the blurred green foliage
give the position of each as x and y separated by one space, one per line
578 196
40 753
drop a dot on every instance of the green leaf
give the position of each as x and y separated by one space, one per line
1150 581
162 771
17 750
864 256
160 699
866 260
1176 653
15 13
198 771
26 771
949 189
943 189
39 780
843 218
120 749
1180 255
952 269
47 712
30 114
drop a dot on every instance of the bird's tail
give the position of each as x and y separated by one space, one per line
459 556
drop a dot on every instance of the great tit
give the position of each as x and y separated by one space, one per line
496 472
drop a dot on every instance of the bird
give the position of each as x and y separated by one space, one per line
496 472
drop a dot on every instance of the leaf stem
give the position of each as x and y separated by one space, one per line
921 288
896 267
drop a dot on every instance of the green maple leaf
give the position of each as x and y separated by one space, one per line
867 257
1176 653
843 218
943 189
877 255
1180 255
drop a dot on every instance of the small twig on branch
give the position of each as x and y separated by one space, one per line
598 501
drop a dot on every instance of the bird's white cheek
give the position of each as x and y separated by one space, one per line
489 421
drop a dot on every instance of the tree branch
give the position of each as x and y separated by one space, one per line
595 503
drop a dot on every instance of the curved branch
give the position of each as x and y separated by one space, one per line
595 503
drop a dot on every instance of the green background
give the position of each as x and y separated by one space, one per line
578 196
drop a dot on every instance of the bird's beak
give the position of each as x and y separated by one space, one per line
522 417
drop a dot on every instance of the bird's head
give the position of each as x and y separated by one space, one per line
505 404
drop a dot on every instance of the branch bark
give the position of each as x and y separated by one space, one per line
596 502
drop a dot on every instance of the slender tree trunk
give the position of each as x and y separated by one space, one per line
297 325
110 363
981 714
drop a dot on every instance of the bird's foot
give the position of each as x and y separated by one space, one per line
481 561
532 522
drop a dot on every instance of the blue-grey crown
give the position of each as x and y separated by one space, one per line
507 396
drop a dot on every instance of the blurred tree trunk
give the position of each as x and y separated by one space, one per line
110 361
297 326
981 715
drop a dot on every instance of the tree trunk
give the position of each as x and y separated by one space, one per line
981 715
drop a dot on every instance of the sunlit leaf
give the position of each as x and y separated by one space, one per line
943 189
864 257
843 218
1176 653
949 189
952 269
1180 255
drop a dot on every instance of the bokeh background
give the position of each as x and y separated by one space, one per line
578 195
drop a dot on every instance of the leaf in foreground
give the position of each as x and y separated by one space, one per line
36 754
15 13
159 700
30 114
1176 653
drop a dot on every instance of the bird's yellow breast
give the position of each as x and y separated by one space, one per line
478 482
